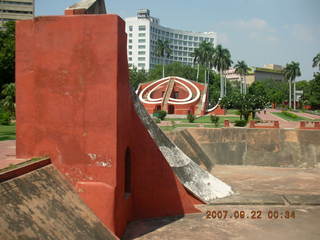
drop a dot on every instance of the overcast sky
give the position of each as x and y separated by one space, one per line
256 31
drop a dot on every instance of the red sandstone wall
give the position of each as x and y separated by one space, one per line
73 104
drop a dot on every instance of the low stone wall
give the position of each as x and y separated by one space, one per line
260 147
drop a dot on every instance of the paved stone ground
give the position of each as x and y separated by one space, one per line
269 180
307 115
283 123
285 190
8 154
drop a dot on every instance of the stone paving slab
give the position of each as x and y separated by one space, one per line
250 199
303 199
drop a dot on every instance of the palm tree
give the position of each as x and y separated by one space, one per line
203 56
8 102
291 71
221 61
242 69
316 61
196 59
163 50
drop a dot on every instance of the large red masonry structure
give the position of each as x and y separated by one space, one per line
73 104
174 95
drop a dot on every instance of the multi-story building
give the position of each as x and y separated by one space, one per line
143 33
267 72
12 10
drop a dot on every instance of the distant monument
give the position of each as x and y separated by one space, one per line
87 7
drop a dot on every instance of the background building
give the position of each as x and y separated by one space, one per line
144 31
267 72
11 10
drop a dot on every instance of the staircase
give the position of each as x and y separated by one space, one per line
200 106
167 94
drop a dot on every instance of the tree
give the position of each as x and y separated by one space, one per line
274 91
291 72
8 102
197 59
316 61
163 50
242 69
137 76
203 56
311 92
7 54
221 60
206 54
246 104
258 89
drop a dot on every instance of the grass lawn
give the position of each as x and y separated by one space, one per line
7 132
187 125
167 128
201 120
206 119
233 112
285 117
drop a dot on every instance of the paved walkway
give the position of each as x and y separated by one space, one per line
8 154
268 116
307 115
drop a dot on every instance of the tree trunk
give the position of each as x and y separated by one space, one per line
198 72
290 94
221 85
241 85
225 84
244 84
162 67
205 76
294 95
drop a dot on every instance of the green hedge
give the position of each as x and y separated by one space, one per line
190 118
289 114
160 114
240 123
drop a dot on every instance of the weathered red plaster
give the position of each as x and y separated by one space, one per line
73 104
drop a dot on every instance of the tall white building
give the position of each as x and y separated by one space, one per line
12 10
143 32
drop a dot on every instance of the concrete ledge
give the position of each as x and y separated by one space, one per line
10 174
303 199
43 205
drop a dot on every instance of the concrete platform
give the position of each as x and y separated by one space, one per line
279 191
305 225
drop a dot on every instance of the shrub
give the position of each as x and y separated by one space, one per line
160 114
156 120
190 118
289 114
240 123
5 118
214 119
